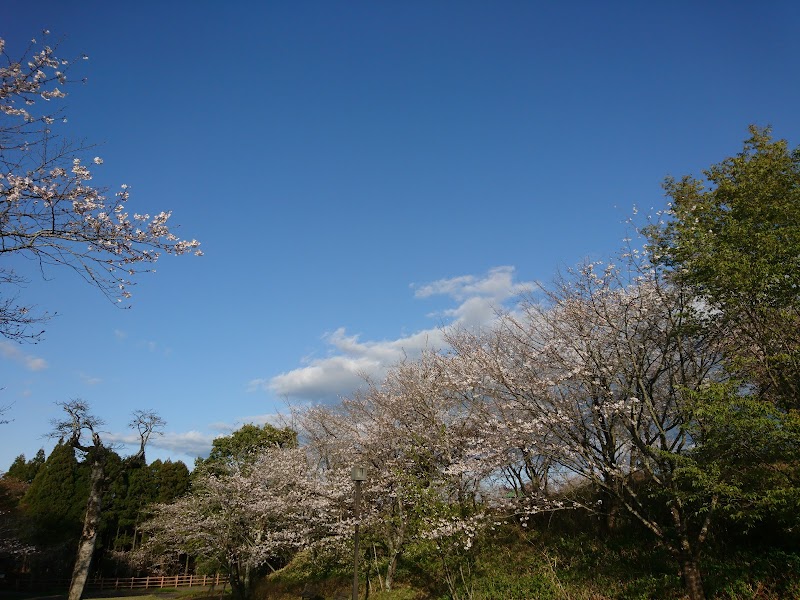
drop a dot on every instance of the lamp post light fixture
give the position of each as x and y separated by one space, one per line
358 474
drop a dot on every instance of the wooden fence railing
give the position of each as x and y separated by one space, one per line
154 581
126 583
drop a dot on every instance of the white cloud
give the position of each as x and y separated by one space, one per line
34 363
89 380
224 428
193 443
498 285
324 379
447 287
350 360
258 384
12 352
154 347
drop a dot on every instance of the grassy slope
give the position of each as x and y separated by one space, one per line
559 562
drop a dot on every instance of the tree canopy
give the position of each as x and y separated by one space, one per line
735 238
244 445
26 470
56 499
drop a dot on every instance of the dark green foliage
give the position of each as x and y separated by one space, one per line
52 507
18 469
170 480
56 499
753 573
553 561
26 470
51 512
133 488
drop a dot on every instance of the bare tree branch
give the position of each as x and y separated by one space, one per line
146 422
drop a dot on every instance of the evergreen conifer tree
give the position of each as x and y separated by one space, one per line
57 496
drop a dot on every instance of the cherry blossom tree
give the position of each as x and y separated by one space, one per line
50 211
612 357
418 439
493 369
251 516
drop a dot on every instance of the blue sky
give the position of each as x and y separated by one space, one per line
361 174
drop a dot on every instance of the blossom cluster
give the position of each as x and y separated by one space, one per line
51 209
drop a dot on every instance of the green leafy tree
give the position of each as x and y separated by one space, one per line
51 512
133 490
735 238
17 468
243 445
746 457
732 240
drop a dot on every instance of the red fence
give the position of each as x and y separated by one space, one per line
127 583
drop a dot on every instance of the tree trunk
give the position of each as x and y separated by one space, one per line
236 586
238 581
612 508
89 535
692 579
390 570
611 494
688 554
394 545
247 583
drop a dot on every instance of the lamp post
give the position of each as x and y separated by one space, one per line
357 474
